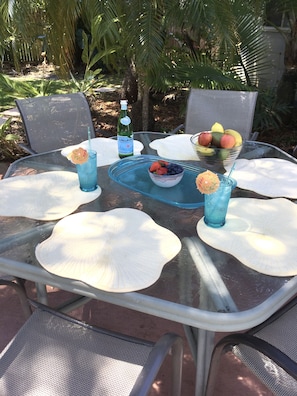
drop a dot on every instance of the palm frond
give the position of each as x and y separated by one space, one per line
145 33
62 17
252 50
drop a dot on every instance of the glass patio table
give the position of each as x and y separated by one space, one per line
205 289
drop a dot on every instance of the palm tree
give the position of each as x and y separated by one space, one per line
172 42
206 43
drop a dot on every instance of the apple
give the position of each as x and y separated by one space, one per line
204 139
227 141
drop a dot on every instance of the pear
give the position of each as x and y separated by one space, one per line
223 154
217 127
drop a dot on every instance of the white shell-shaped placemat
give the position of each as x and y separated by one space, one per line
272 177
45 196
119 251
107 149
259 233
175 147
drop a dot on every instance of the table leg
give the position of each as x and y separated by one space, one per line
205 344
42 296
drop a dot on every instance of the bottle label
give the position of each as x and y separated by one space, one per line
125 120
125 145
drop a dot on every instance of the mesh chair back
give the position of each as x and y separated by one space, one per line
56 121
233 109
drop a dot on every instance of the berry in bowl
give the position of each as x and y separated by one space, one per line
217 148
166 174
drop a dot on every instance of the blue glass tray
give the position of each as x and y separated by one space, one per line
132 172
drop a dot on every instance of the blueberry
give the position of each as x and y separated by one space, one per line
174 169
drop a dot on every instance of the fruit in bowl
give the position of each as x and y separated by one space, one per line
218 147
165 174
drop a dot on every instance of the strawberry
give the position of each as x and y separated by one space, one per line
162 170
163 163
155 166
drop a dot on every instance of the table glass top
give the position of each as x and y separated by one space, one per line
183 274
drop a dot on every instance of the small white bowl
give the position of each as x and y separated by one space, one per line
166 180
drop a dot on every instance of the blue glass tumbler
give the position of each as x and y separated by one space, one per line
87 172
216 204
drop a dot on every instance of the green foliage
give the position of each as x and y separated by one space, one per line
269 111
8 141
91 78
13 88
92 54
198 72
216 44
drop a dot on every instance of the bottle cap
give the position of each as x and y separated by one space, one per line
124 102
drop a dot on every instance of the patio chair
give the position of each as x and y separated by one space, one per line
58 355
56 121
233 109
268 350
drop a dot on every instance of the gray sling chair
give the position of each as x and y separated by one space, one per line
268 350
56 121
58 355
53 122
233 109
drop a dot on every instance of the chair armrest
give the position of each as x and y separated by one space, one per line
254 136
176 129
168 342
258 346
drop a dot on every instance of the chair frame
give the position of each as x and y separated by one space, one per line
249 339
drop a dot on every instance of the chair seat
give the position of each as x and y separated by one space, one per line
56 355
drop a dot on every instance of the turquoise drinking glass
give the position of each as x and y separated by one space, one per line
87 173
216 204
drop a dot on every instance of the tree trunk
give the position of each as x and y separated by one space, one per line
129 88
145 108
142 110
